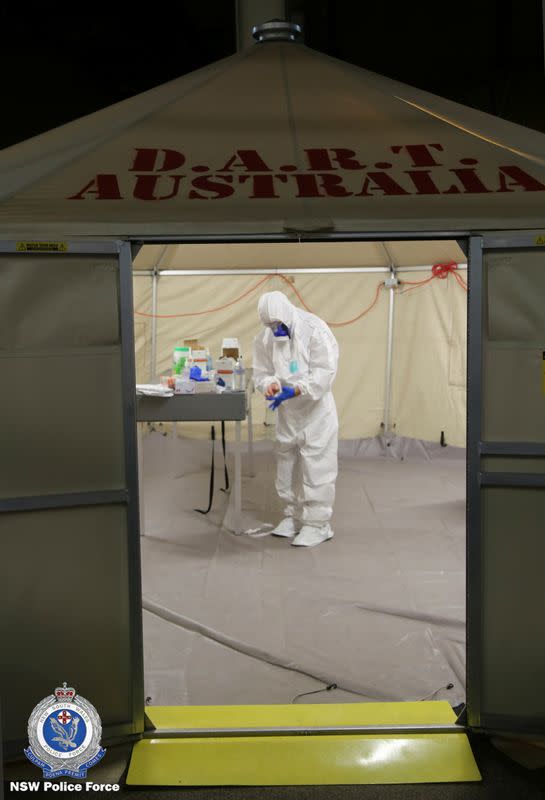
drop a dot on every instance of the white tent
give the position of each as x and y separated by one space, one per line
340 169
367 154
277 138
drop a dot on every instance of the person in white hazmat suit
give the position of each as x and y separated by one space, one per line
295 363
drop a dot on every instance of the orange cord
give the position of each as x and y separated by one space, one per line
335 324
208 310
440 271
252 289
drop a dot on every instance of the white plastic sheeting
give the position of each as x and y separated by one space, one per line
378 610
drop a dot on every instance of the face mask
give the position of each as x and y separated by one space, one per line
281 331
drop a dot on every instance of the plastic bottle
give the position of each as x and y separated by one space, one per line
239 375
187 368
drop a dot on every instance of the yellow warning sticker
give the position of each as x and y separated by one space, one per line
41 247
540 240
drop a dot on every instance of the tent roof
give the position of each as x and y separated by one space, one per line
297 255
278 138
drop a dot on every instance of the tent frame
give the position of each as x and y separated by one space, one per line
472 243
475 242
464 239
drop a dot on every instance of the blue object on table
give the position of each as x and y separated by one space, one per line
195 374
286 393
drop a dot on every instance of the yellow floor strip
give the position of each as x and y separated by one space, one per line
302 760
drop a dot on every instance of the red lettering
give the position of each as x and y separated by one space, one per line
345 158
263 185
333 185
147 184
518 178
419 153
208 184
146 160
470 181
250 160
104 187
383 182
320 160
307 186
422 181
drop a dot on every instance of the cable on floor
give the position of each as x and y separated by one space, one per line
316 691
334 686
240 647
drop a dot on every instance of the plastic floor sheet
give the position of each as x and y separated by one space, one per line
379 610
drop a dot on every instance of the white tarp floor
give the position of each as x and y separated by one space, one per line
378 610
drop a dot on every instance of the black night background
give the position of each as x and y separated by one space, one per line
59 64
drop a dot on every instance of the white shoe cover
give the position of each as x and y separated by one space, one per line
311 536
287 528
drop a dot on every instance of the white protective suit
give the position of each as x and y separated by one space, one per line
307 425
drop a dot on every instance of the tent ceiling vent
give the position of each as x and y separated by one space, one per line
277 30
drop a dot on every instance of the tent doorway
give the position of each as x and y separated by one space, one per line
379 611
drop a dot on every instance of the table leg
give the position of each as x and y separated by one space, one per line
251 470
140 438
237 521
174 446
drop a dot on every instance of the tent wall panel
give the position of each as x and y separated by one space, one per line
514 346
513 598
74 434
429 349
429 360
82 291
69 570
53 630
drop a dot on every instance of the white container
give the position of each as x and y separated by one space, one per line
240 376
184 386
225 371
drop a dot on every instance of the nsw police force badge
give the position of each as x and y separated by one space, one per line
64 733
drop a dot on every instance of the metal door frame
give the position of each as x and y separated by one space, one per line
128 496
476 448
462 238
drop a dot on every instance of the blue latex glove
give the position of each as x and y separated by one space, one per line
286 393
220 382
195 374
281 330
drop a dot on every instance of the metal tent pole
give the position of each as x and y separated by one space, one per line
156 273
390 342
153 356
390 284
255 12
187 273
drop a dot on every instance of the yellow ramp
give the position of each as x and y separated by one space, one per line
188 759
